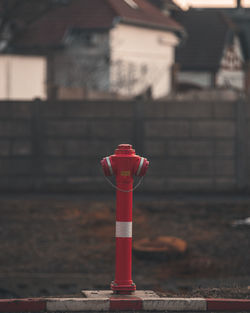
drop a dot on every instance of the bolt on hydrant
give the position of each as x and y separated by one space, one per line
124 164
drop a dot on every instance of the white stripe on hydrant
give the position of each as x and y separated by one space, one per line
140 166
123 229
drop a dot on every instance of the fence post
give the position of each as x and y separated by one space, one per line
37 144
241 144
138 141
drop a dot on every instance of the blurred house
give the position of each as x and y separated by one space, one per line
241 18
212 56
123 47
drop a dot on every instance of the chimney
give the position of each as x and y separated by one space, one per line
238 4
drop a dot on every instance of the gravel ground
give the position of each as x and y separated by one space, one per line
54 247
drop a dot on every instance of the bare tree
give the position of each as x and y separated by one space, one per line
16 15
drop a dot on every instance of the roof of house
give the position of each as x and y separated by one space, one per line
50 29
169 5
207 34
243 24
241 18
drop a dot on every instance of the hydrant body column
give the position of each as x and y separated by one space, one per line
124 164
124 203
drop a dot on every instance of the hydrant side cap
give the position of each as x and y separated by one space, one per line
142 167
107 167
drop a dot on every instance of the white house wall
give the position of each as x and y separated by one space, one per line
3 78
141 58
22 77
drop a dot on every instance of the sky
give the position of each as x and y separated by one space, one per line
210 3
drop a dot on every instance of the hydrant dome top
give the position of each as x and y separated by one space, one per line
124 149
125 146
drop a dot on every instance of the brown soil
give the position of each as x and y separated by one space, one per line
47 242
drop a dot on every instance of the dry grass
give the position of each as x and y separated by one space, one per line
50 236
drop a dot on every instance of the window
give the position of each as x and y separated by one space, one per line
132 4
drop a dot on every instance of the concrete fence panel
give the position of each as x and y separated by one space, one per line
191 145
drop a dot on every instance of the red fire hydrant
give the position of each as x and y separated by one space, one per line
124 164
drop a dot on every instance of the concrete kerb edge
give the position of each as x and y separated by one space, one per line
77 304
123 304
174 304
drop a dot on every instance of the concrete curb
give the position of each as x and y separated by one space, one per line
123 303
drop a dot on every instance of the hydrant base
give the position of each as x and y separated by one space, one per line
95 294
123 289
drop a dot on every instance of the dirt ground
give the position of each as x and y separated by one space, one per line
54 247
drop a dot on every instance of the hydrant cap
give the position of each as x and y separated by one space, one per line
124 149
